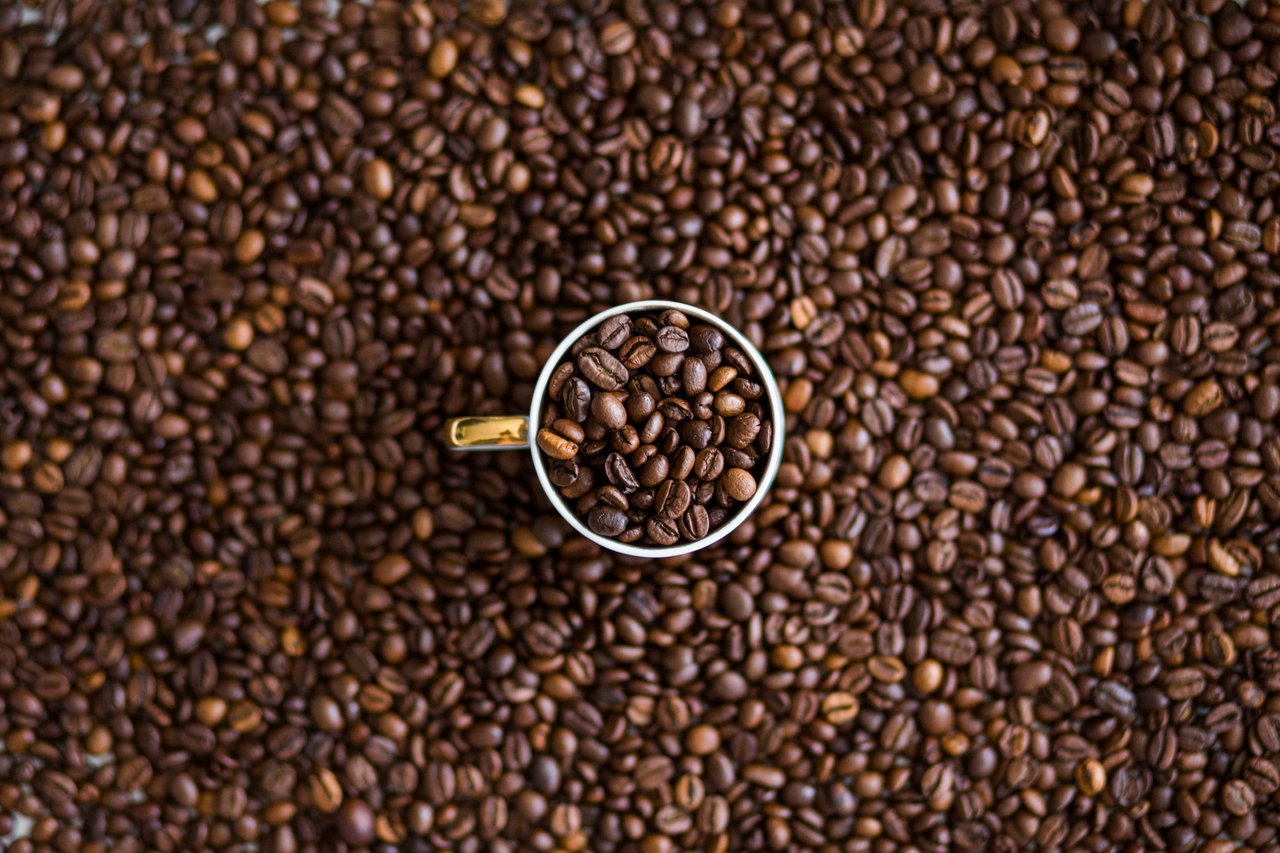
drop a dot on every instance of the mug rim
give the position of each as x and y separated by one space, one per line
768 380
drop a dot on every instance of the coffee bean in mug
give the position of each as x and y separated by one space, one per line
634 389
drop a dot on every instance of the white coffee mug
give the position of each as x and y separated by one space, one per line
512 432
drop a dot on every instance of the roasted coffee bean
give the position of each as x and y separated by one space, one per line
674 317
1262 776
1128 785
601 369
1184 683
666 366
637 352
607 520
640 405
625 440
652 427
708 464
735 458
675 409
1263 593
1115 698
614 332
721 377
609 411
619 473
556 446
570 430
672 499
739 484
1238 798
706 339
695 523
671 339
728 404
952 647
742 430
576 399
325 791
694 376
560 376
695 435
662 531
613 496
682 459
654 471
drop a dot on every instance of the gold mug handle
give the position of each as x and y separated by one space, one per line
492 432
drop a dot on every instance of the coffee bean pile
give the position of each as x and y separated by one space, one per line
1014 263
657 431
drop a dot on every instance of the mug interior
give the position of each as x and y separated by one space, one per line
767 379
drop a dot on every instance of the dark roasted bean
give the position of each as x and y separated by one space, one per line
614 331
607 521
601 369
